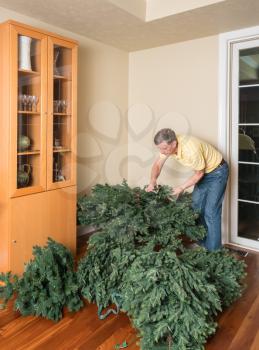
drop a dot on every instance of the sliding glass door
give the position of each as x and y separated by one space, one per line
245 144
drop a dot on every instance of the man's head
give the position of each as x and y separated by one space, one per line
166 141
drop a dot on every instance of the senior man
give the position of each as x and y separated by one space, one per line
209 178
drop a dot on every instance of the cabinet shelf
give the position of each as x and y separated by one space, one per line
61 77
28 153
28 112
61 150
30 72
62 114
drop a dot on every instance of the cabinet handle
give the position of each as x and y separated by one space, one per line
14 241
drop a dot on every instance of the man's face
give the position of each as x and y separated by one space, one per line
166 148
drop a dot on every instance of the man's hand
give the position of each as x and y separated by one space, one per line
150 188
177 191
155 172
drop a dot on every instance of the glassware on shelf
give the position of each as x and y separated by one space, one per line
55 171
58 176
20 102
57 143
63 105
28 102
56 104
60 106
35 100
25 102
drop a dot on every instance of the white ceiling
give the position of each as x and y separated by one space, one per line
158 9
125 26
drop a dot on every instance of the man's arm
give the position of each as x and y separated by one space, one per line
189 182
155 172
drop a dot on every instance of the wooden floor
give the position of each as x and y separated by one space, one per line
238 325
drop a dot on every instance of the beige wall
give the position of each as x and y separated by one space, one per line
102 124
172 86
102 103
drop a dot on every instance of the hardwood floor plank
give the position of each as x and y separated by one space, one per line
122 334
255 345
30 332
231 319
247 332
108 327
83 325
8 315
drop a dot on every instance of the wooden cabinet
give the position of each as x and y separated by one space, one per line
38 80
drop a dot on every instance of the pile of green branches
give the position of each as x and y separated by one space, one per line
138 254
48 284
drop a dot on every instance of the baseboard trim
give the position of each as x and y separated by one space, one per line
238 246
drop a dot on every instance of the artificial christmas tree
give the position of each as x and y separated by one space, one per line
138 260
48 284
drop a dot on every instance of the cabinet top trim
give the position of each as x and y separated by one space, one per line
42 31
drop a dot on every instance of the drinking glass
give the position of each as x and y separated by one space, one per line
63 104
20 102
35 100
30 102
25 102
55 106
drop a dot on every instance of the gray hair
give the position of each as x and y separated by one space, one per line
165 135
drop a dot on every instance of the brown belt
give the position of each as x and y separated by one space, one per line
221 163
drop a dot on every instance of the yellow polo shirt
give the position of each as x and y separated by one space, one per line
196 154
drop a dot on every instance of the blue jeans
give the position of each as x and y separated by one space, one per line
207 198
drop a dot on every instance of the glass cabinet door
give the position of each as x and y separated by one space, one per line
245 145
28 110
61 121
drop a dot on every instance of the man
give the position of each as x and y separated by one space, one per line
209 178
